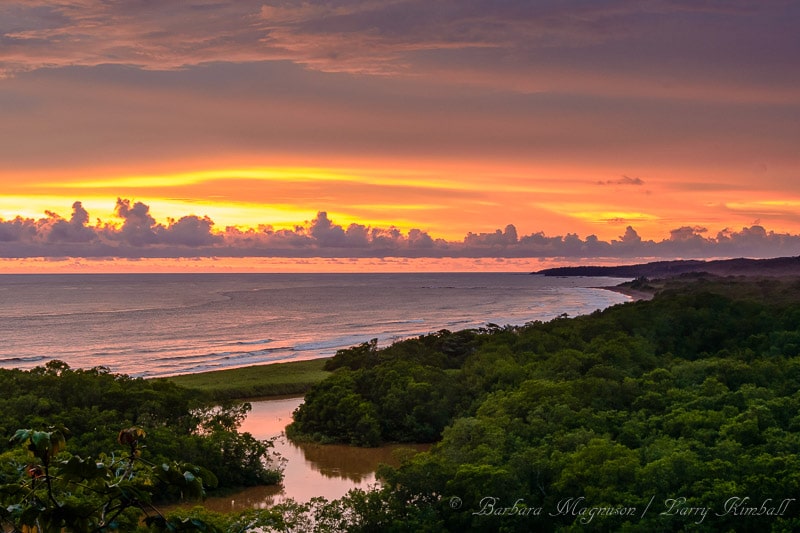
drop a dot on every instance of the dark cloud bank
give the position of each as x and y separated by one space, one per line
140 236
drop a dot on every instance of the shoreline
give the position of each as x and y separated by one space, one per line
635 294
283 379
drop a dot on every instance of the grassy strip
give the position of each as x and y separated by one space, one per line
277 379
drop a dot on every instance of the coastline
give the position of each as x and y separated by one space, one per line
635 294
283 379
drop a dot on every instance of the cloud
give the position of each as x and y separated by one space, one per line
52 229
623 180
498 238
687 234
376 36
151 35
137 235
138 228
327 234
191 231
138 84
57 229
618 44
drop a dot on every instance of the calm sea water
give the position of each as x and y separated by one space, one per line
165 324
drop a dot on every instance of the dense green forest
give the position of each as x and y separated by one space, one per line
681 413
76 427
678 413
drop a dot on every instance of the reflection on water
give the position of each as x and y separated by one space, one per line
354 464
310 469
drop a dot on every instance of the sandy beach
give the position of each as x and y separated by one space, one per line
635 294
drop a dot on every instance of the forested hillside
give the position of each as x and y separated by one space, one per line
678 413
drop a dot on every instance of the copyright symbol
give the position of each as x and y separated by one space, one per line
455 502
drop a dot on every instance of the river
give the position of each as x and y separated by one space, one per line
310 469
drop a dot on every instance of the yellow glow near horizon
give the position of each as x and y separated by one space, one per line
447 199
295 174
455 178
285 196
243 215
605 216
12 206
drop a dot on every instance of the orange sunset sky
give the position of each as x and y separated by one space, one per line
565 131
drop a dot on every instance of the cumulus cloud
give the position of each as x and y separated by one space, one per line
137 229
631 237
327 234
51 229
190 231
498 238
136 234
687 234
56 229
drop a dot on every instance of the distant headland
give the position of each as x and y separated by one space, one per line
779 266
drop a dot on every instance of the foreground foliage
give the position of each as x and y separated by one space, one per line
92 405
59 491
663 415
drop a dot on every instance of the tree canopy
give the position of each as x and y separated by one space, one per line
75 454
670 414
678 413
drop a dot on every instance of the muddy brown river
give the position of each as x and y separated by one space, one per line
310 469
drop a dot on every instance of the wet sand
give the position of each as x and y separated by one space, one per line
635 294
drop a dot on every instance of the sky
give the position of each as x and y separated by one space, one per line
568 131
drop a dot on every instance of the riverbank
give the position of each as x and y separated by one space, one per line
260 381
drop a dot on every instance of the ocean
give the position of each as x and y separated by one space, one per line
149 325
